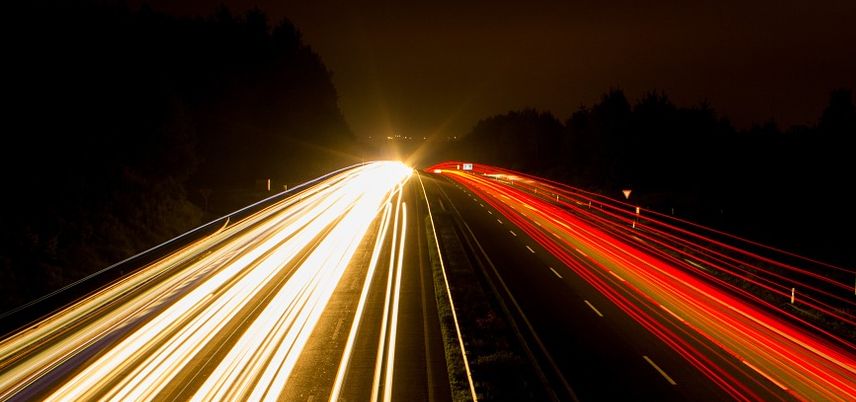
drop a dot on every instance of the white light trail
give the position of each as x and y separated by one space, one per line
239 304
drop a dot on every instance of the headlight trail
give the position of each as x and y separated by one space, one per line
355 325
681 281
224 318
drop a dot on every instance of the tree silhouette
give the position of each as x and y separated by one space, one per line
692 160
114 114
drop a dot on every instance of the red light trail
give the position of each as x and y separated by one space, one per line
687 284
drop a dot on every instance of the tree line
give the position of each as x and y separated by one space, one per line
784 186
121 123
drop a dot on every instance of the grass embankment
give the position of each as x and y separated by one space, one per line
499 368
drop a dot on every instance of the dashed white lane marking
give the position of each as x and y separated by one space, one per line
512 232
765 375
490 212
338 327
670 312
616 275
663 373
697 265
593 308
500 222
531 250
554 271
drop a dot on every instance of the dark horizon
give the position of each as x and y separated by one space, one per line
114 107
437 68
539 201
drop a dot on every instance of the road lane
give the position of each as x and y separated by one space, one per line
742 344
599 358
231 315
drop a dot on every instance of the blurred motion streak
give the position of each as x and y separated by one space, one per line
224 318
687 284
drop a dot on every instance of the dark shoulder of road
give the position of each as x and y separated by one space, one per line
502 367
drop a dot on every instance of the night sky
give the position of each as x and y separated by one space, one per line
440 66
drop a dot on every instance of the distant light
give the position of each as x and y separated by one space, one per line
438 171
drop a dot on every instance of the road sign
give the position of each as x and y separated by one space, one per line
468 166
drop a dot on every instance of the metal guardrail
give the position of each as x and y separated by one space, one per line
16 318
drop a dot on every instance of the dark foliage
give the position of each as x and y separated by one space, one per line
784 187
116 118
503 139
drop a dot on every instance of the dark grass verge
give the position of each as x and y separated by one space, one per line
499 368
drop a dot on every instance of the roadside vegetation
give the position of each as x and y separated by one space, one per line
498 364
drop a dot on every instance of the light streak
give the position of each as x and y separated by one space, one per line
384 334
674 263
390 357
238 304
449 295
355 325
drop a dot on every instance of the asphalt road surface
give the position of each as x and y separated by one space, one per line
330 295
612 320
321 296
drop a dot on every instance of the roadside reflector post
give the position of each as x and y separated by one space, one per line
636 218
793 291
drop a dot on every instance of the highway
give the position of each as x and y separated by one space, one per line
319 296
617 314
337 292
